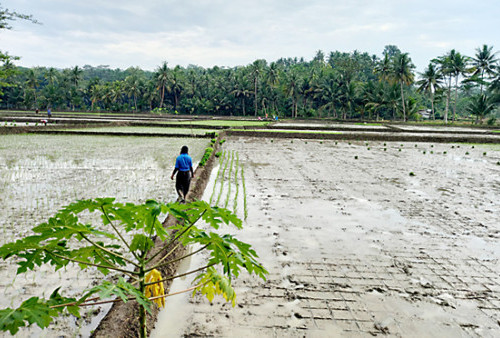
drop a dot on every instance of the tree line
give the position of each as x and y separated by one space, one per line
341 85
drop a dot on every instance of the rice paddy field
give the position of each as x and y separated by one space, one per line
147 130
40 174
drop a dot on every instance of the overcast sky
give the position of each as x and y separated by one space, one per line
144 33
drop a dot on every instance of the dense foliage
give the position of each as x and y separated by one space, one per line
342 85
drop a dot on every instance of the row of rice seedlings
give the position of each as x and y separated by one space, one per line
221 160
222 180
229 180
245 207
235 203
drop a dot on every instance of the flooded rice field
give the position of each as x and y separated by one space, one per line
146 130
360 239
39 174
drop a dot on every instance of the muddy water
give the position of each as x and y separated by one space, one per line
39 174
357 246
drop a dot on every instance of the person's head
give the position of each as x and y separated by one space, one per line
184 150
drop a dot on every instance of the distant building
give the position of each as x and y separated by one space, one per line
425 113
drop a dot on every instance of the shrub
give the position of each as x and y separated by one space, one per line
206 156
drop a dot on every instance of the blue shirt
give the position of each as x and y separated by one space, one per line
183 162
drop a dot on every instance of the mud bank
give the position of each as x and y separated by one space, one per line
357 246
370 136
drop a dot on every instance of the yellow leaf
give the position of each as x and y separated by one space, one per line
157 289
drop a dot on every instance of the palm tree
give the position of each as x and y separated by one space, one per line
326 93
392 98
484 62
402 72
481 105
256 70
376 99
272 80
76 75
445 68
430 81
241 92
32 82
175 85
347 98
96 94
383 68
51 76
162 75
458 68
133 88
291 88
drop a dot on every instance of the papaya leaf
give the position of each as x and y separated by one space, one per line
141 242
213 283
122 289
35 311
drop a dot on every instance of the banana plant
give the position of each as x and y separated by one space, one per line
122 243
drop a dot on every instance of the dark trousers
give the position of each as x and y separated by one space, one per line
182 182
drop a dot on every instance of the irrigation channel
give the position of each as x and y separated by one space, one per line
266 163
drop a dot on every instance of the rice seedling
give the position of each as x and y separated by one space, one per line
235 202
222 180
221 160
229 180
245 207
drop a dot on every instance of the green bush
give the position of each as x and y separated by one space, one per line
206 156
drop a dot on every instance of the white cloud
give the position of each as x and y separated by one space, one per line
130 33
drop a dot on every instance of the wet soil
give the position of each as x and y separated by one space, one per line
398 239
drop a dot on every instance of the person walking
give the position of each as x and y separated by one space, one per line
184 170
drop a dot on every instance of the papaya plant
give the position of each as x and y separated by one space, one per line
122 244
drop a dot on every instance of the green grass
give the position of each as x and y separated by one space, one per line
486 146
368 124
144 130
291 131
226 123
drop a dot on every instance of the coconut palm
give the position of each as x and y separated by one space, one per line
256 69
484 62
402 72
430 81
241 91
76 76
481 105
375 97
327 93
32 82
162 76
133 87
291 90
176 85
383 68
51 76
444 64
459 67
